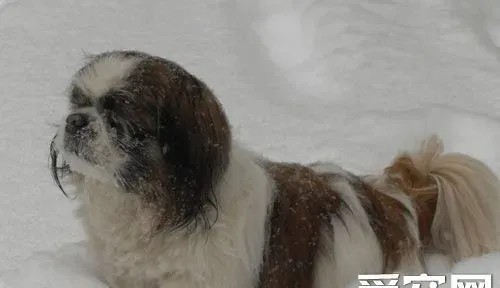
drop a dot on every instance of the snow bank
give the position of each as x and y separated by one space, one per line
3 4
491 8
67 267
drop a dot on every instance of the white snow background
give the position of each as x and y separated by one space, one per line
353 81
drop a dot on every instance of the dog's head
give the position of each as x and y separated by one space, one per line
147 125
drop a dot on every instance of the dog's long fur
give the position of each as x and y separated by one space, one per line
169 199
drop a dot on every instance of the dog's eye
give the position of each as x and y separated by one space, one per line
139 136
108 103
111 120
78 98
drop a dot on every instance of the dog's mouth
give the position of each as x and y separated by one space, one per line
78 142
74 156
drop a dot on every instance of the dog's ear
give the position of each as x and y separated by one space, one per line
194 136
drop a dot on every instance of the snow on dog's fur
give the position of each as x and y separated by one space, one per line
170 199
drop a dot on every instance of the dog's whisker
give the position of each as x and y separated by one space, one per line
58 172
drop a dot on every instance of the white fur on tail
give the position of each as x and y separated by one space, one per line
467 216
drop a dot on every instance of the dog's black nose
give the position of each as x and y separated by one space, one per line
76 121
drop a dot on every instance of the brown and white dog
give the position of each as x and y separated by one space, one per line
170 200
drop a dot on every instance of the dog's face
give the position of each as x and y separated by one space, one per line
150 127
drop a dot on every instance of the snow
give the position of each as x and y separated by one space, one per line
67 267
347 80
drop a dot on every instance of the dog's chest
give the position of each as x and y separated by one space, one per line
119 233
119 230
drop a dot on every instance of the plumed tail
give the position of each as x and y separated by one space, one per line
458 194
